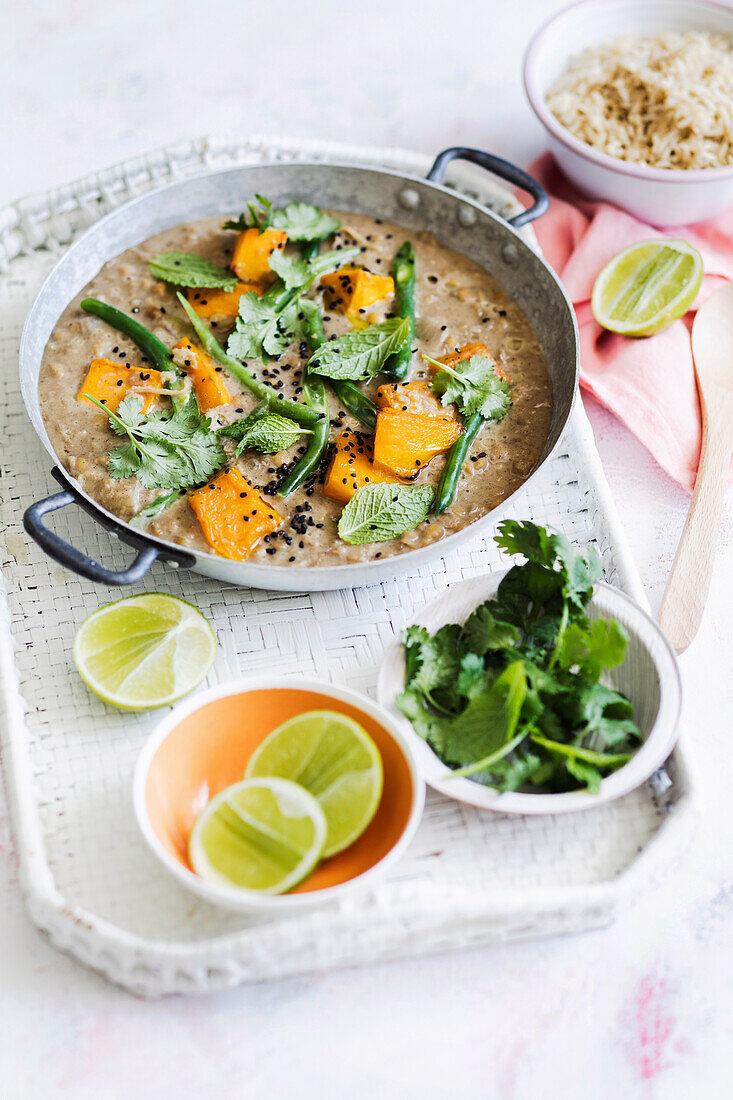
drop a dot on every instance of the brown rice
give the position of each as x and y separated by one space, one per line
664 101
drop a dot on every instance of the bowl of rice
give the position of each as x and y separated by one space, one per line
637 102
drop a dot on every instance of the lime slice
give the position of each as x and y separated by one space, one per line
260 834
144 651
335 759
647 286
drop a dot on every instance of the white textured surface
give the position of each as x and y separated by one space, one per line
641 1010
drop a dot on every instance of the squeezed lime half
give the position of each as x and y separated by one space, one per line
647 286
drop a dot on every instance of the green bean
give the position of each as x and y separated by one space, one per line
451 475
314 392
151 347
398 364
355 402
296 410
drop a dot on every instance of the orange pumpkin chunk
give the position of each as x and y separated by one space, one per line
233 515
111 382
251 259
467 352
208 383
352 466
414 397
219 303
352 290
405 442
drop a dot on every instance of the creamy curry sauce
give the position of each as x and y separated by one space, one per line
457 303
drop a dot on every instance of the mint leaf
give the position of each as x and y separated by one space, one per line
378 513
186 269
270 434
473 387
304 222
361 353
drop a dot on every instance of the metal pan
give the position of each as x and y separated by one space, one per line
417 204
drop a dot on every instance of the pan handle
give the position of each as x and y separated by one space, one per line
78 562
502 168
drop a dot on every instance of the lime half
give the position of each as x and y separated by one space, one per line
144 651
647 286
260 834
334 758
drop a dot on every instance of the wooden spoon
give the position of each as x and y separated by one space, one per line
687 588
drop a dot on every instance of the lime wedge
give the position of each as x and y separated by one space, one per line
335 759
144 651
647 286
260 834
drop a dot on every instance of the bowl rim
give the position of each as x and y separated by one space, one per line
538 103
235 898
656 747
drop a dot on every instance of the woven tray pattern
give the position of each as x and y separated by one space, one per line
469 877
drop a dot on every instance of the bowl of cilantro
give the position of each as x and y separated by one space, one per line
539 689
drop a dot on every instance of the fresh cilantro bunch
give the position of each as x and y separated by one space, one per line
171 449
302 221
474 387
512 697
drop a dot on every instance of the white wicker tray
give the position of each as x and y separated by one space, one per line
470 878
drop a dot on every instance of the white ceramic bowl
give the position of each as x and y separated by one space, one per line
203 745
649 677
662 197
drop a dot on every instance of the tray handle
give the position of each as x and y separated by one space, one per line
79 562
505 170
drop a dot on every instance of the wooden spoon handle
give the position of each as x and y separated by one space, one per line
684 598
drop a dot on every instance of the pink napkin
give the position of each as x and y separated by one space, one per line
648 383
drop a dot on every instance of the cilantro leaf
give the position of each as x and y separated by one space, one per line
378 513
186 269
361 353
267 325
304 222
301 220
599 646
258 216
166 450
482 632
473 387
433 659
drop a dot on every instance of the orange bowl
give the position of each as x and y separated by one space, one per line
204 745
